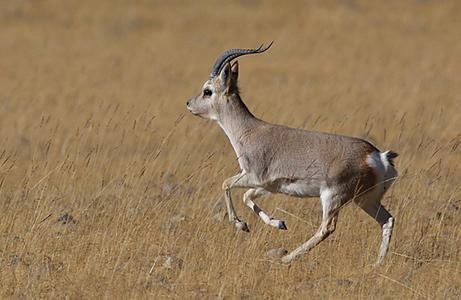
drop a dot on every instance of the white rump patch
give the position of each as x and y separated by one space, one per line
385 160
375 160
384 171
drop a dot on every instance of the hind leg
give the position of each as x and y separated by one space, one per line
331 204
372 206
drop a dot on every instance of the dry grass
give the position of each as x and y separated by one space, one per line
93 124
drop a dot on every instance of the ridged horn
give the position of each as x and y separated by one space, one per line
232 54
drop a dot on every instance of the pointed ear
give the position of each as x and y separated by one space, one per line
228 77
235 71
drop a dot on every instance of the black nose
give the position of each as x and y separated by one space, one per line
187 103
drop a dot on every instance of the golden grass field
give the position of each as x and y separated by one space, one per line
103 172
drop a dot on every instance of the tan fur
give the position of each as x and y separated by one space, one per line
279 159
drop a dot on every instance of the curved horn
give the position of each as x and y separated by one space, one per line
232 54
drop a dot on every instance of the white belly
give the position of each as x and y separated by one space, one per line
301 188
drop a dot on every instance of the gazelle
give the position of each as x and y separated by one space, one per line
279 159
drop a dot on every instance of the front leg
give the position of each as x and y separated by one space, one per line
248 198
239 180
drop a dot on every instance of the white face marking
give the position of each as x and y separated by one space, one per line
204 105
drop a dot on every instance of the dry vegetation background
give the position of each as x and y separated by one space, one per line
103 174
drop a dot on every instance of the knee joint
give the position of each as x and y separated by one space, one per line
225 186
248 196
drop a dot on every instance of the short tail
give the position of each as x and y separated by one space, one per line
390 155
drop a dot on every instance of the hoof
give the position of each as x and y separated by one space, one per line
282 225
242 226
279 224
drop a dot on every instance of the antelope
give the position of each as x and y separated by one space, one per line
295 162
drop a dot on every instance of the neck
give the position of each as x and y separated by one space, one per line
237 122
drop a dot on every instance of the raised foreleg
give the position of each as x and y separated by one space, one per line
240 180
248 198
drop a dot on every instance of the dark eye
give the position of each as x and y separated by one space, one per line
207 92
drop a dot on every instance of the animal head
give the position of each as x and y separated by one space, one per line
217 91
